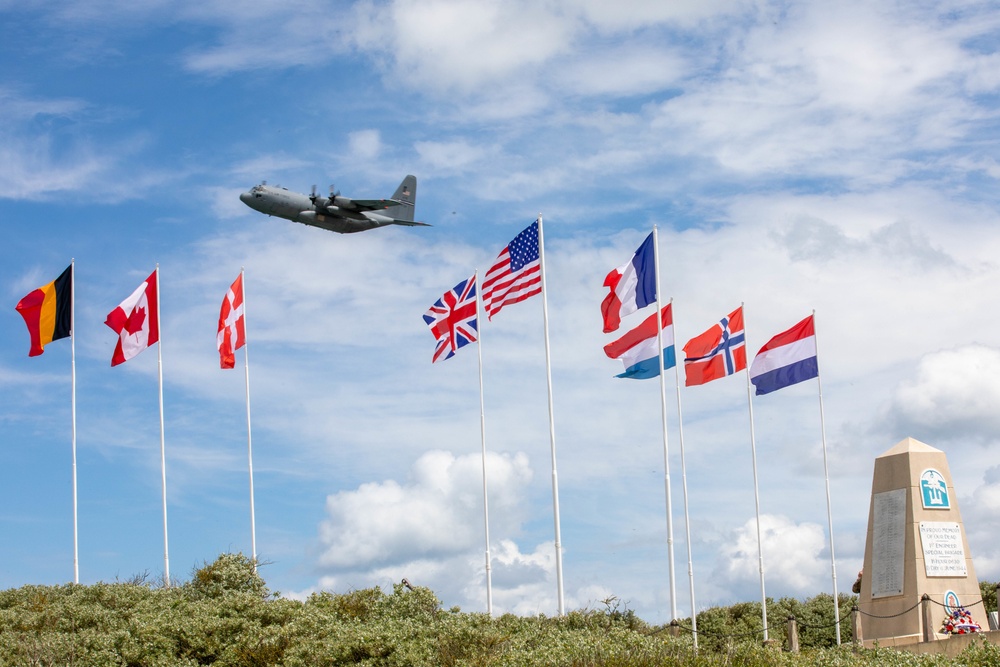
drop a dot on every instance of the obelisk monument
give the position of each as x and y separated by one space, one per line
916 545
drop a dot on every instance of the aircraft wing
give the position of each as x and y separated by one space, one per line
376 204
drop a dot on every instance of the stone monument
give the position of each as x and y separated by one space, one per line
916 546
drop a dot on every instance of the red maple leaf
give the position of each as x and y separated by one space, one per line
135 321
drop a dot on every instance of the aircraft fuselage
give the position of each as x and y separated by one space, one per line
335 213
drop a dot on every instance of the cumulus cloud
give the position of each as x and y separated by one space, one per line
438 513
792 555
365 144
816 240
430 531
954 393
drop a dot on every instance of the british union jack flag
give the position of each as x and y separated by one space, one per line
453 319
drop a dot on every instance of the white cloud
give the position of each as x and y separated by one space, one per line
792 555
365 144
437 514
462 45
954 392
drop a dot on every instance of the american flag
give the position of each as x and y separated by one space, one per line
516 275
452 319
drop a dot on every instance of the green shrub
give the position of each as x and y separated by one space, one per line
225 617
230 573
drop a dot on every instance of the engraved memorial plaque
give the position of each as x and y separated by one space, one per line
888 532
944 555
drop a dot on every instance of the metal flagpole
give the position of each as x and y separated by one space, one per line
666 448
684 485
756 494
826 476
72 343
163 454
552 429
482 432
246 368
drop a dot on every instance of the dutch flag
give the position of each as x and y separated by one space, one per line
786 359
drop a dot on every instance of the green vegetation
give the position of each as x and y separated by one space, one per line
226 616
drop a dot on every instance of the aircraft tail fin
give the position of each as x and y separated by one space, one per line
406 200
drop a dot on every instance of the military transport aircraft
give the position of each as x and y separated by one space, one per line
336 213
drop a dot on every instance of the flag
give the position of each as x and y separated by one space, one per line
786 359
453 319
47 311
135 321
637 349
718 352
232 328
631 286
517 273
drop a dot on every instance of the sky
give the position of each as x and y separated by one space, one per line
841 158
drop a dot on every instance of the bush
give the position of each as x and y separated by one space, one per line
230 573
225 617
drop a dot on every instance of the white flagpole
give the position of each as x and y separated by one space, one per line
666 448
687 516
72 336
552 429
482 432
163 454
826 476
246 375
756 494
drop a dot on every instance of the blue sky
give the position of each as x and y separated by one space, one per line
793 156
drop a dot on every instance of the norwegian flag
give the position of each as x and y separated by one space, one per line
232 327
718 352
453 319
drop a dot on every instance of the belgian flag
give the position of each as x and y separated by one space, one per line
48 311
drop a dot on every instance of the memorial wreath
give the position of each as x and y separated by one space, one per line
960 622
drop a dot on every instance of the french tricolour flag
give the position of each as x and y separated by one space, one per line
637 349
786 359
632 286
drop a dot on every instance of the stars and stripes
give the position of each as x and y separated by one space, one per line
453 319
517 273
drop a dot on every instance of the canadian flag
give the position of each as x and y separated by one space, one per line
232 332
136 321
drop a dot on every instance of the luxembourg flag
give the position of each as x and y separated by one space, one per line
637 349
786 359
632 286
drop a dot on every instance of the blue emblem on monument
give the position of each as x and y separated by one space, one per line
934 490
951 602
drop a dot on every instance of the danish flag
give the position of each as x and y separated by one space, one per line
232 329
